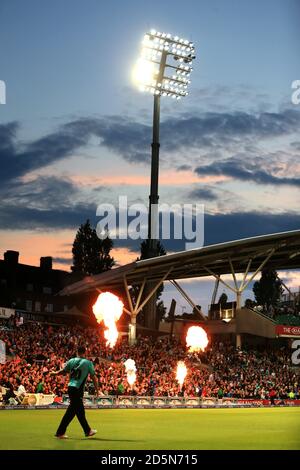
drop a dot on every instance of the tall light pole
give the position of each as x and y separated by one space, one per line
163 70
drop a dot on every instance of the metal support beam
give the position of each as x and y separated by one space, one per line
258 269
152 292
128 294
214 296
246 273
233 274
239 289
293 294
238 299
132 331
186 297
140 295
220 279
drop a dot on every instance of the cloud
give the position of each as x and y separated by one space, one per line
44 192
203 193
52 203
214 129
60 260
295 146
184 167
20 217
220 228
243 169
131 139
19 159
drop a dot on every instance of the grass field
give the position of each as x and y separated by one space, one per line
269 428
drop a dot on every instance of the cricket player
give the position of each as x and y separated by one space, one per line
79 368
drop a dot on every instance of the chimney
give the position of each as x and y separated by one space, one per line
46 263
11 257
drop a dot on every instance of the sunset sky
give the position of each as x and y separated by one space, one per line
75 132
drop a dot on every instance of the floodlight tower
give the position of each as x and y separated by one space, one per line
163 70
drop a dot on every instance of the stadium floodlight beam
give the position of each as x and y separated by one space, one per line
163 69
165 65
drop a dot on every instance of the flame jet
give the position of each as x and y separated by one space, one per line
130 368
181 373
108 308
196 339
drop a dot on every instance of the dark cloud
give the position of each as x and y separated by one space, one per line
44 192
54 203
131 139
203 193
64 213
184 168
66 261
213 129
20 217
245 170
19 159
220 228
226 227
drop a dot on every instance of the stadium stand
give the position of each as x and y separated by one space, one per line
222 371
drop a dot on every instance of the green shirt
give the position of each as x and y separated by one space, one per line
40 388
79 369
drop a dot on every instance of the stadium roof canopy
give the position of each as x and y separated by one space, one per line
249 255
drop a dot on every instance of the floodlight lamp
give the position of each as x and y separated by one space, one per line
162 56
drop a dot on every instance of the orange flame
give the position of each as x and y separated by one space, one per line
108 308
181 372
130 371
196 339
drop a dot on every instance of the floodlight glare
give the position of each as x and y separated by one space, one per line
144 72
163 56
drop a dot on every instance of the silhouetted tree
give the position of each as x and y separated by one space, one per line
223 299
91 255
145 251
249 303
268 289
161 311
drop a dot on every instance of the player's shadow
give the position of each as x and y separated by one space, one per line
112 440
102 439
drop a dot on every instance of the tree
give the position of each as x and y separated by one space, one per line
268 289
161 311
249 303
196 314
91 255
223 299
145 251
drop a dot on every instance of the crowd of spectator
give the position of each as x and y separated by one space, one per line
33 350
285 314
